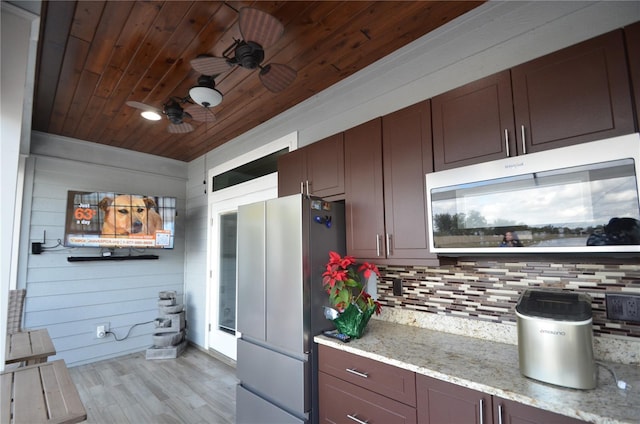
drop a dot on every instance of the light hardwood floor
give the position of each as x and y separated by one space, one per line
193 388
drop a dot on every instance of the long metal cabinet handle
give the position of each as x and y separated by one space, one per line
358 373
354 418
481 408
499 413
388 246
302 187
307 184
524 144
377 244
506 141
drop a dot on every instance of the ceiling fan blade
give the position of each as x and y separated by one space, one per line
143 106
182 128
210 65
276 76
200 114
259 27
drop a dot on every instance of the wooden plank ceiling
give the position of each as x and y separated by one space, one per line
94 56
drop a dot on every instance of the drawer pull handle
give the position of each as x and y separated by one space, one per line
355 418
358 373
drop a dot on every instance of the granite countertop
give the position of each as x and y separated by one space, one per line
492 367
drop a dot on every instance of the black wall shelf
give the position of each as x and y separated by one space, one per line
109 258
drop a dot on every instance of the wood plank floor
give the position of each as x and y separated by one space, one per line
193 388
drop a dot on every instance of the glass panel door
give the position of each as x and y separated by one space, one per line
222 289
227 277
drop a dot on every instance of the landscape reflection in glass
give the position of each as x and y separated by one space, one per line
591 205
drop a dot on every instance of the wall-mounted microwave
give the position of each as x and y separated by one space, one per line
581 198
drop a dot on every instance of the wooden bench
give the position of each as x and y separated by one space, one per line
32 347
41 393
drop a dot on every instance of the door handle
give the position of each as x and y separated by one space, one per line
524 144
506 141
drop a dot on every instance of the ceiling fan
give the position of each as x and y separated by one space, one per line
259 31
175 113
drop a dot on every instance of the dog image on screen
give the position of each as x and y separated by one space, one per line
127 215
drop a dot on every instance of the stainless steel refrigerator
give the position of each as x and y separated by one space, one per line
283 247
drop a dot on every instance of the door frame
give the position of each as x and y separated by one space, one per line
226 200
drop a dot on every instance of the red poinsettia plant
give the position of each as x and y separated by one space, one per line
342 282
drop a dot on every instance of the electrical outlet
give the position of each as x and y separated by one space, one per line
623 307
397 287
101 330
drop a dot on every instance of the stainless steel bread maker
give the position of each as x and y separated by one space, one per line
555 338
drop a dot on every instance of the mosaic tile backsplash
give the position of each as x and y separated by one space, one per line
488 290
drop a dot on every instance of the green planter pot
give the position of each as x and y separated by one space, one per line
352 321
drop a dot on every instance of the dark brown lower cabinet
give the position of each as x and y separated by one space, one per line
440 402
356 390
518 413
343 402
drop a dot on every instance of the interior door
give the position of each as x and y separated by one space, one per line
223 259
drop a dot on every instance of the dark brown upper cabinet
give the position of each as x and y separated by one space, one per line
316 169
572 96
386 160
364 198
632 37
575 95
474 123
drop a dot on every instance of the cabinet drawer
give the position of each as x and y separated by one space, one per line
343 402
387 380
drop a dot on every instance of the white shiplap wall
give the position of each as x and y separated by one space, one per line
70 299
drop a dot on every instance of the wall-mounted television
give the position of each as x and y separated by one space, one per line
110 220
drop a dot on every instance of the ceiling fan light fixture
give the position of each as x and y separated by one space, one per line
151 115
205 96
205 93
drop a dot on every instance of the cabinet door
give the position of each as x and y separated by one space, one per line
325 166
316 169
572 96
291 173
510 412
440 402
363 190
632 37
342 402
474 123
407 157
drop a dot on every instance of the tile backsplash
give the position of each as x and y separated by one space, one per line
487 290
